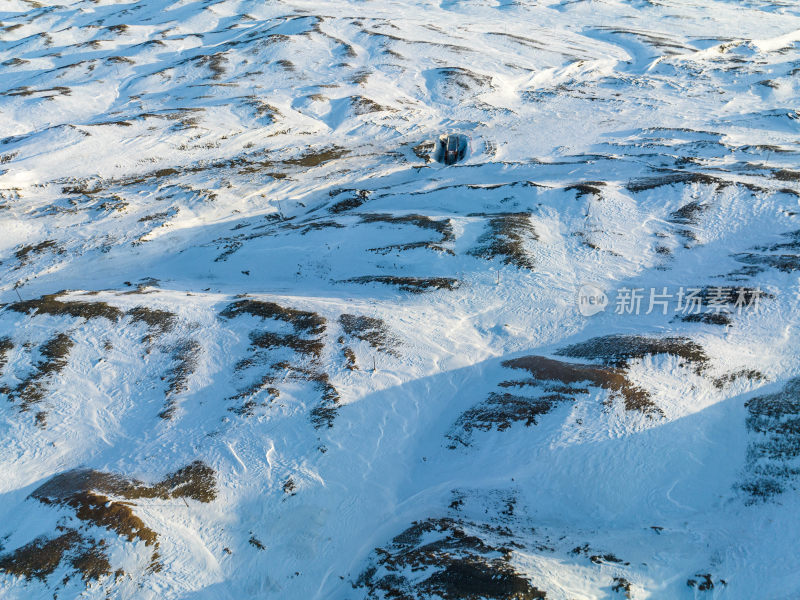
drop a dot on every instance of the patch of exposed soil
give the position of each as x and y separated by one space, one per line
415 285
302 321
447 559
500 411
24 254
34 388
50 304
185 356
605 377
41 557
773 421
371 330
619 350
6 345
505 238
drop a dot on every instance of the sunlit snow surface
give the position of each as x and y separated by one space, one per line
271 281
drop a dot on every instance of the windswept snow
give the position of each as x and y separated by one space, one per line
256 341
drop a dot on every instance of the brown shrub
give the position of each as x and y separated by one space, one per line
415 285
443 227
619 350
34 388
6 345
371 330
305 321
608 378
440 558
50 304
185 356
24 253
266 339
40 557
505 238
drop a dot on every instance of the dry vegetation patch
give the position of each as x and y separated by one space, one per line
42 556
306 343
186 356
302 321
443 227
158 321
371 330
783 256
33 389
608 378
6 345
505 238
448 559
52 304
619 350
24 254
554 382
500 411
415 285
681 178
354 199
773 421
103 500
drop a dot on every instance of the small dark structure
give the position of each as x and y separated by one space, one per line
451 148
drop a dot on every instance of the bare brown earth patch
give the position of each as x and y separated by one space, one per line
444 558
415 285
556 382
185 356
34 388
105 500
773 422
24 254
371 330
40 557
505 238
608 378
52 304
618 350
306 343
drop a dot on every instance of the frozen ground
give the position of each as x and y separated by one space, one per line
256 343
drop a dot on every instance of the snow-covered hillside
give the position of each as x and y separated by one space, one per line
257 342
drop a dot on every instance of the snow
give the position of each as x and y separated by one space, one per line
198 154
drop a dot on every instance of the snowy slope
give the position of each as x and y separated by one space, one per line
256 342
